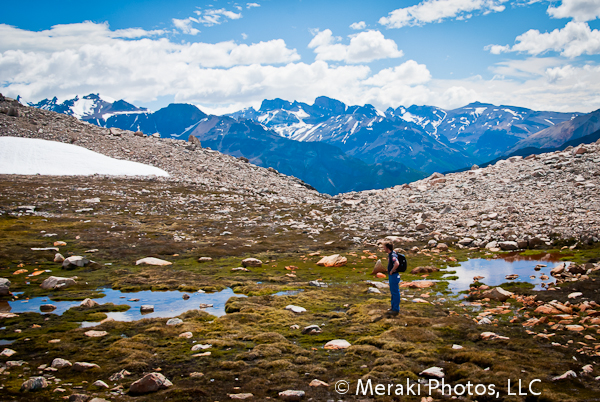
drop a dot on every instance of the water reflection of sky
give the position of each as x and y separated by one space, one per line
495 272
166 304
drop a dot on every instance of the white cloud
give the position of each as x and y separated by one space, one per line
252 5
358 25
244 36
438 10
364 47
408 73
575 39
86 58
185 25
579 10
212 17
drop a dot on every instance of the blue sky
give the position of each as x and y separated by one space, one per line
224 55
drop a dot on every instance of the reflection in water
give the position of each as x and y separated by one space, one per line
166 304
4 306
494 272
540 258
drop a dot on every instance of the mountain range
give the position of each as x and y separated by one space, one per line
339 148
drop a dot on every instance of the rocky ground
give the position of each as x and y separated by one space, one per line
273 345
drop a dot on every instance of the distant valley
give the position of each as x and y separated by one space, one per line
338 148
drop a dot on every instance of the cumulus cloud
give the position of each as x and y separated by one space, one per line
138 66
579 10
252 5
358 25
438 10
575 39
364 47
185 25
211 16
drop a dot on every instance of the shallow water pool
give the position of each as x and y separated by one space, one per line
166 303
495 271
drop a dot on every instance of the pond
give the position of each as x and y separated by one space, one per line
166 303
495 271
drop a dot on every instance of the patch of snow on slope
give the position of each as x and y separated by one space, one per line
549 121
83 107
479 110
29 156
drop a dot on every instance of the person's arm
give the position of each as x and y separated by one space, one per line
396 265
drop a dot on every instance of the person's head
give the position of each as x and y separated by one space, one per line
389 247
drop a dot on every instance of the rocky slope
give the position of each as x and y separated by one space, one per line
537 201
186 162
580 128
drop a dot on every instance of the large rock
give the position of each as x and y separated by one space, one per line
291 395
295 309
34 384
508 245
84 366
558 270
466 241
59 363
75 261
417 284
337 344
335 260
150 383
498 294
378 268
153 261
251 262
4 287
88 303
56 282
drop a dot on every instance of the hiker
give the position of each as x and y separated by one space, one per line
394 275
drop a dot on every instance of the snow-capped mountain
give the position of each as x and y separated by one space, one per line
175 120
92 108
478 131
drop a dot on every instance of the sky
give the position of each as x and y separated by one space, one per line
224 56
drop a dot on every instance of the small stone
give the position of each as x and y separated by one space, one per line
373 290
59 363
295 309
457 347
335 260
435 372
146 308
200 346
96 334
204 259
196 374
119 376
337 344
150 383
84 366
187 335
75 261
56 282
59 243
241 396
291 395
318 383
311 329
295 326
7 353
46 308
88 303
185 296
34 384
565 376
574 295
175 321
490 336
251 262
201 354
100 384
58 258
153 261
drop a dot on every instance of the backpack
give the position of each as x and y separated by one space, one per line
403 263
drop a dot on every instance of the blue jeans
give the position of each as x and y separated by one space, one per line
395 290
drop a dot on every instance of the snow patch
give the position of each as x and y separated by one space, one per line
30 156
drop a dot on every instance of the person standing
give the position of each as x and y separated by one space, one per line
394 277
